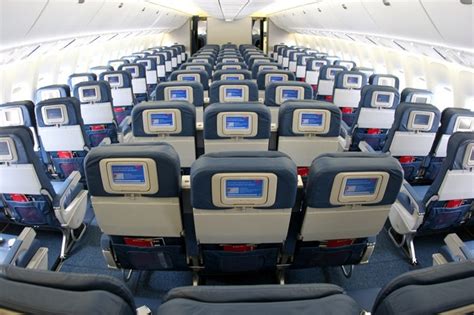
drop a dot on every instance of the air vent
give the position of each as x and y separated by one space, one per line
120 5
344 6
386 3
466 1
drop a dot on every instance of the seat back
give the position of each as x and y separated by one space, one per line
348 64
62 133
411 95
346 95
120 83
116 63
434 290
277 93
265 77
139 177
312 69
327 75
52 91
262 183
85 294
197 66
151 73
21 113
97 70
75 78
230 59
293 60
130 58
367 71
139 82
236 127
375 115
349 195
231 66
172 122
200 76
24 187
188 91
309 129
225 91
232 75
412 135
259 66
97 110
160 65
385 80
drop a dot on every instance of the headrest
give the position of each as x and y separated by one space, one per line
52 91
348 64
254 123
310 117
302 59
233 91
166 54
148 62
231 66
278 92
21 113
159 59
232 75
98 69
176 118
377 96
257 67
313 64
456 120
411 95
118 169
189 91
16 145
58 111
333 59
350 80
416 117
230 59
271 180
201 59
137 70
461 151
367 71
93 92
190 76
172 52
329 72
346 178
197 66
115 63
130 59
265 77
117 79
141 54
257 58
294 55
385 80
75 78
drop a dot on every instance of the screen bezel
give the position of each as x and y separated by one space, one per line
13 155
114 85
279 93
223 92
458 123
54 122
251 131
375 103
337 196
417 127
169 89
467 162
150 129
16 111
89 99
349 85
50 94
300 129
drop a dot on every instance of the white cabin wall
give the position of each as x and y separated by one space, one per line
221 32
181 35
451 83
276 36
19 79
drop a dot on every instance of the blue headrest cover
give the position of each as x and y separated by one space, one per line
285 117
323 71
270 91
261 76
218 74
91 77
368 91
373 79
338 62
207 66
24 143
126 77
211 112
73 108
159 59
339 81
448 119
274 162
141 69
325 167
253 58
203 76
407 93
165 157
64 90
104 86
152 62
309 63
242 65
256 66
198 92
117 60
27 111
215 86
222 57
188 117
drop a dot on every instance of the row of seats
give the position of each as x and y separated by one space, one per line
436 290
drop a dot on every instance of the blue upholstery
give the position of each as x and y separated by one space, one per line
165 157
101 68
218 74
214 94
126 77
324 71
257 66
122 61
106 95
253 59
27 110
376 141
211 112
310 62
270 91
203 76
338 63
340 76
121 112
141 69
262 74
72 106
90 77
285 120
207 59
198 92
207 66
221 58
375 79
408 93
325 167
241 65
240 162
188 117
63 89
144 62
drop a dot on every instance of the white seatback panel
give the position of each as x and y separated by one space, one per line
343 222
151 77
312 78
411 143
184 146
292 66
19 179
301 72
161 71
376 118
303 150
98 113
233 226
65 138
139 216
325 87
168 66
122 97
139 85
286 62
174 62
457 184
346 98
223 145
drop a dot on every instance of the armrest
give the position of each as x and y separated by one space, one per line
126 125
68 187
296 220
365 147
105 141
345 129
192 248
410 200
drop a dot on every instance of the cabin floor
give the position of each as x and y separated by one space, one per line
149 288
